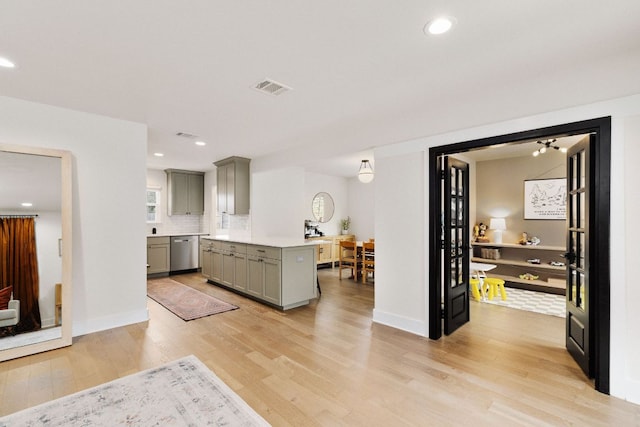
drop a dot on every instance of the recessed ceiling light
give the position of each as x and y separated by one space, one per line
158 154
201 143
4 62
26 204
439 25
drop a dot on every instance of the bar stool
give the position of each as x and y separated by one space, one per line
493 284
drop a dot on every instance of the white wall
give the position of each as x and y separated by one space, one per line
628 338
48 231
401 294
278 203
337 188
361 204
109 250
401 286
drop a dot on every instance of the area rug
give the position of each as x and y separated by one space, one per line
183 301
538 302
181 393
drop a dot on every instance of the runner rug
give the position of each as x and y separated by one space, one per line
183 301
181 393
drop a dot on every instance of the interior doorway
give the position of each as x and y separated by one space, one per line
597 166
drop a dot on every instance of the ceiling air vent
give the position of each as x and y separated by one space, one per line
271 87
186 135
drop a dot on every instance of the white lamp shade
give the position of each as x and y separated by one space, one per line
365 174
497 224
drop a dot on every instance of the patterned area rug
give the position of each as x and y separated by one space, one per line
181 393
183 301
539 302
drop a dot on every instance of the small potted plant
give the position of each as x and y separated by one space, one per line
345 224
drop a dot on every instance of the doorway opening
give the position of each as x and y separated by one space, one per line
597 167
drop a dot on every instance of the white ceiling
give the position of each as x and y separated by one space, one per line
29 178
363 72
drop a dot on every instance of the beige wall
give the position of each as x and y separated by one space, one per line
500 193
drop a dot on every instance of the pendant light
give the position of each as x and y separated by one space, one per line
366 172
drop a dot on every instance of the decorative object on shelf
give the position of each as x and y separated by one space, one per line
365 174
545 199
345 224
546 145
498 225
479 233
490 253
526 240
534 261
556 263
529 276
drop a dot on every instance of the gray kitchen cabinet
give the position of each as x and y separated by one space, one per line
206 247
186 192
264 273
217 258
233 180
272 281
282 276
240 267
234 265
158 255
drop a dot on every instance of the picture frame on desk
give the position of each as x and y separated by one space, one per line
545 199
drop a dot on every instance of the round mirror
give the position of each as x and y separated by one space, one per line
322 207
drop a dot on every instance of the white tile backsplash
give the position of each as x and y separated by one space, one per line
179 224
233 225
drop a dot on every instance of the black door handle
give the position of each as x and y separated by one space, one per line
570 257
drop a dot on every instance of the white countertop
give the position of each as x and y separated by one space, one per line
176 234
277 242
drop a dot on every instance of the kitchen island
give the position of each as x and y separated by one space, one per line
279 272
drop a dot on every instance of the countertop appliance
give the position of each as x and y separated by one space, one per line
184 253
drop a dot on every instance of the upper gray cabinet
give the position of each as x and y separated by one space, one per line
186 192
233 185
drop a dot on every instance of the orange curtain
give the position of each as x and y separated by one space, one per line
19 268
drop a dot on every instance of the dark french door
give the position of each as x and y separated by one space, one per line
578 336
455 230
588 241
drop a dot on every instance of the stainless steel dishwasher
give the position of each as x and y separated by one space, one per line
184 253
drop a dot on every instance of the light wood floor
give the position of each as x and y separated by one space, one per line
328 364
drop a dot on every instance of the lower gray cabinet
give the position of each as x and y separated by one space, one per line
240 267
206 247
158 255
284 277
265 273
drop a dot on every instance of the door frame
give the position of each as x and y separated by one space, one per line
599 239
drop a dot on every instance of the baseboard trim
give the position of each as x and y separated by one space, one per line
109 322
414 326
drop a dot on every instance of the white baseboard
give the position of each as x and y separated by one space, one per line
109 322
414 326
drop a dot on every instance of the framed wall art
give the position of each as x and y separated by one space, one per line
545 199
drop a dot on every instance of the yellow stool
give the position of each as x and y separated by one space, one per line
475 288
493 284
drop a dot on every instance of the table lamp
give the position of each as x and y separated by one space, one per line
497 225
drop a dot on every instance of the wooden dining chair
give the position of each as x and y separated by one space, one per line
368 256
348 258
